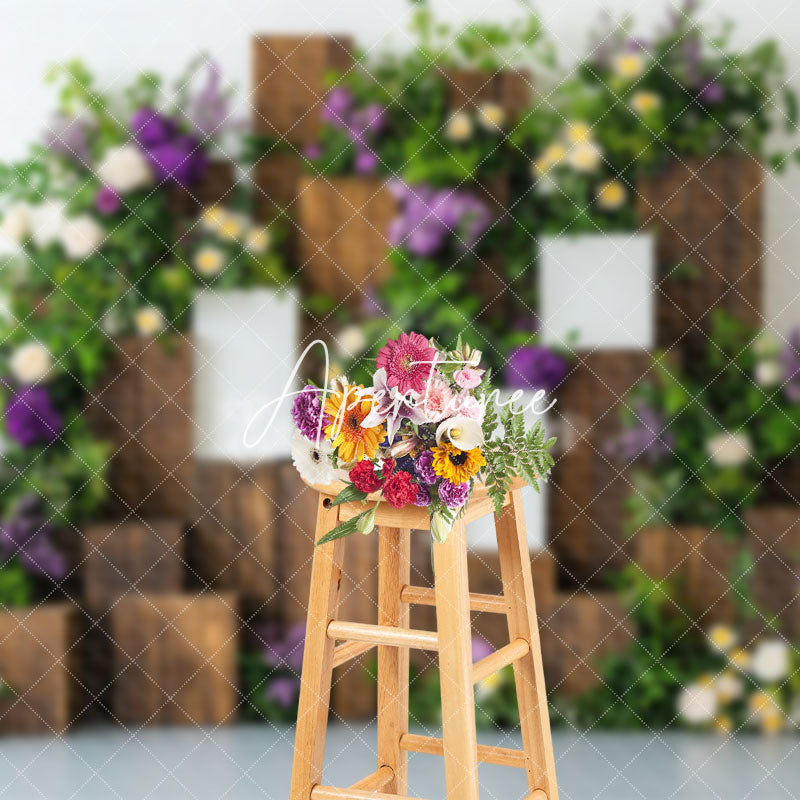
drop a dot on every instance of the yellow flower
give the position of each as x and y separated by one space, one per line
148 321
723 723
722 637
233 226
488 686
628 65
611 195
454 465
550 157
347 409
578 132
740 658
772 720
209 261
213 218
758 702
584 157
458 127
491 116
643 102
257 240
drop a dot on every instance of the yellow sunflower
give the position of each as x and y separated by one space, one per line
456 466
346 410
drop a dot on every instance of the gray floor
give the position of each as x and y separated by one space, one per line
247 762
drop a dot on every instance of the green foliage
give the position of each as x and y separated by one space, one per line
15 590
256 676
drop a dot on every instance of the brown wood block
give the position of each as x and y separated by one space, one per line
290 75
36 657
467 88
213 187
131 556
175 659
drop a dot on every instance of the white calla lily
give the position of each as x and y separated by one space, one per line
463 432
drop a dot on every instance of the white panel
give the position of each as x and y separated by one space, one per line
481 534
600 287
245 350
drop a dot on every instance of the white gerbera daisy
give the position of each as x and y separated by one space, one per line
312 462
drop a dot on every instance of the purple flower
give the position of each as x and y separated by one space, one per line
791 366
151 128
307 410
107 201
423 466
312 151
712 93
423 496
535 367
27 535
453 495
31 417
283 690
366 162
390 406
208 110
646 439
284 648
69 136
480 648
337 105
179 159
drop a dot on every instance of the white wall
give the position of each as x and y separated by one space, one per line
117 39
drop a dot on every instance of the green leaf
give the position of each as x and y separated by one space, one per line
348 495
345 529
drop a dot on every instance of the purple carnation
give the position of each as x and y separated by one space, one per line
283 690
307 410
31 417
453 495
423 496
27 535
423 466
535 367
283 648
107 201
151 128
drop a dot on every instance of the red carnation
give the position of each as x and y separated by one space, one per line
364 478
388 467
399 490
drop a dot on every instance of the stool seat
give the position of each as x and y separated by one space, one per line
331 642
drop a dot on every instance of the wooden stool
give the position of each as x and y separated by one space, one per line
453 641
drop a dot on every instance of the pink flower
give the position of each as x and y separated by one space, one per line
468 378
408 361
436 404
468 406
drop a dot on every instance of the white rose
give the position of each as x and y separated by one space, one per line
697 704
81 236
31 363
729 449
125 169
584 157
770 662
149 321
768 373
16 223
47 222
458 127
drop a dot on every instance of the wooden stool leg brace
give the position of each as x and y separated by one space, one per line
453 640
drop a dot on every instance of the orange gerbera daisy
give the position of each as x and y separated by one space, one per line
347 410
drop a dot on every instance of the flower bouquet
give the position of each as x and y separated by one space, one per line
424 434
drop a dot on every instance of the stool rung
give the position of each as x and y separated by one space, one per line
423 596
383 635
506 655
375 781
332 793
348 650
432 745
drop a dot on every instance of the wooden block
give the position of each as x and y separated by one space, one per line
708 213
36 662
467 88
589 487
175 659
214 187
131 556
290 75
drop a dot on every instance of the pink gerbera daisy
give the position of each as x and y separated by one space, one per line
408 361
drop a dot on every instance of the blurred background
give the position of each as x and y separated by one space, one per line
603 199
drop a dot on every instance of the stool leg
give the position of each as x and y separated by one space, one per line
515 568
394 572
455 665
315 685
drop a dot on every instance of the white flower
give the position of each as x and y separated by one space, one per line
611 195
551 157
149 321
770 662
643 102
461 431
233 226
81 236
312 462
584 157
628 65
257 240
697 704
458 127
30 363
768 373
351 340
47 221
209 260
213 218
491 116
722 637
729 449
111 322
125 169
488 686
16 223
729 687
766 345
576 132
